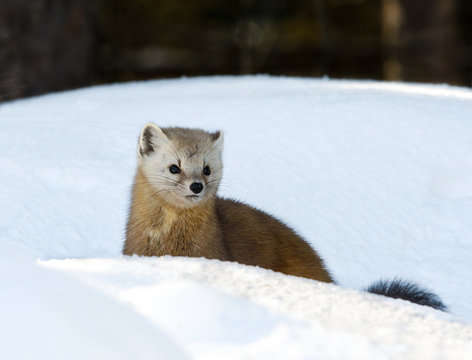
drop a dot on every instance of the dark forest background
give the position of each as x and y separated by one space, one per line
52 45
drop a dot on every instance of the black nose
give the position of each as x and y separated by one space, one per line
196 187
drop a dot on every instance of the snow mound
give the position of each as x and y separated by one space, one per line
48 315
376 176
227 310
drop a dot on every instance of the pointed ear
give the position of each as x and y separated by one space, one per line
150 139
218 140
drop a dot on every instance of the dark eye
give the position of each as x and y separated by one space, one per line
206 170
174 169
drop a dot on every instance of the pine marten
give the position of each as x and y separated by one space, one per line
175 211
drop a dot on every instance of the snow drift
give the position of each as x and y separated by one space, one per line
376 176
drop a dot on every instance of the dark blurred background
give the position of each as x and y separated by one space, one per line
52 45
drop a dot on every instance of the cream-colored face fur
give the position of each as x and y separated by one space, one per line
188 150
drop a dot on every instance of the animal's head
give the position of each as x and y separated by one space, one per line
183 166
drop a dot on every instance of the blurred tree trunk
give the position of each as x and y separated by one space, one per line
391 22
420 40
325 30
254 36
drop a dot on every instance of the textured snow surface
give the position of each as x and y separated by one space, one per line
376 176
223 310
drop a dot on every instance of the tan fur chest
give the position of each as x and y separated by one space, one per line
156 228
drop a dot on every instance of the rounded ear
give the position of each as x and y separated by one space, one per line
218 140
150 139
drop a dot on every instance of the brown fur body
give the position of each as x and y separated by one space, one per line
216 229
175 211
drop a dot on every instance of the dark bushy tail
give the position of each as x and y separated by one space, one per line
400 289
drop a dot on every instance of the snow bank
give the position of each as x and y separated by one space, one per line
47 315
376 176
225 310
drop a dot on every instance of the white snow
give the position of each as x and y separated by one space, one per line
376 176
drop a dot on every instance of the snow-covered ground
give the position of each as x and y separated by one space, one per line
376 176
